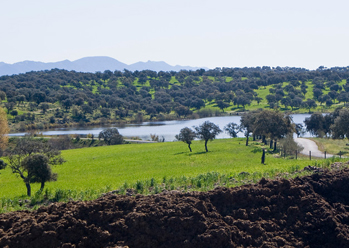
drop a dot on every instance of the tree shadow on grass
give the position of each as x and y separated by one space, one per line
197 153
178 153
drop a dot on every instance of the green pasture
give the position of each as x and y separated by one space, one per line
112 166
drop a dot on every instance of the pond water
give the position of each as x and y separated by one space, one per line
165 129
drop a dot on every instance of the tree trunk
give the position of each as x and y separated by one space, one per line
247 139
42 185
263 139
275 145
271 143
263 157
254 137
189 147
206 145
29 192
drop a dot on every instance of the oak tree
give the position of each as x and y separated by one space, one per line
207 131
186 135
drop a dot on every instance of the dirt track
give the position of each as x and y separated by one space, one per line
310 211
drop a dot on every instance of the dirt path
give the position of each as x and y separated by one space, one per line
310 145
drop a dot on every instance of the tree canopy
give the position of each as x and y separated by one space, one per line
207 131
232 129
111 136
30 159
340 127
273 124
186 135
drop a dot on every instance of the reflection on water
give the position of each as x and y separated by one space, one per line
166 129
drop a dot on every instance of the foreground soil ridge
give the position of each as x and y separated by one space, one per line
303 212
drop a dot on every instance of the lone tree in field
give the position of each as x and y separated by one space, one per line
111 136
207 131
30 160
187 136
39 170
232 129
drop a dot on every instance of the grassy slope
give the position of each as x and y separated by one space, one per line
95 168
332 146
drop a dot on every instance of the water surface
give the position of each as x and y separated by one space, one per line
165 129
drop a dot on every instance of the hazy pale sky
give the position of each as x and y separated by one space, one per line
219 33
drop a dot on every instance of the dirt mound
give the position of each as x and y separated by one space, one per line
310 211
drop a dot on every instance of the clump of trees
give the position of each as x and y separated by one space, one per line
340 126
335 125
267 124
273 124
206 131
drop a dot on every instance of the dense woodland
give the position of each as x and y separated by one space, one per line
39 100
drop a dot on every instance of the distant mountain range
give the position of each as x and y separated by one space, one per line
89 64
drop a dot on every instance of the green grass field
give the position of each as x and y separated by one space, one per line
112 166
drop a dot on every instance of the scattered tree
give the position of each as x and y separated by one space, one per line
187 136
309 104
232 129
207 131
24 167
247 121
111 136
38 169
44 106
222 105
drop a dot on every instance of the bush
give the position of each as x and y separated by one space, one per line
111 136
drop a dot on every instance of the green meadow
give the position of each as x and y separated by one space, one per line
111 167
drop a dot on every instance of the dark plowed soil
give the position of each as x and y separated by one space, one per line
310 211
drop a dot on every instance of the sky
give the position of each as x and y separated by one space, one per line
202 33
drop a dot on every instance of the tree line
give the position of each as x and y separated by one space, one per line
335 124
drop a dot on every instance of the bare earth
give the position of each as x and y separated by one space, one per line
311 211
